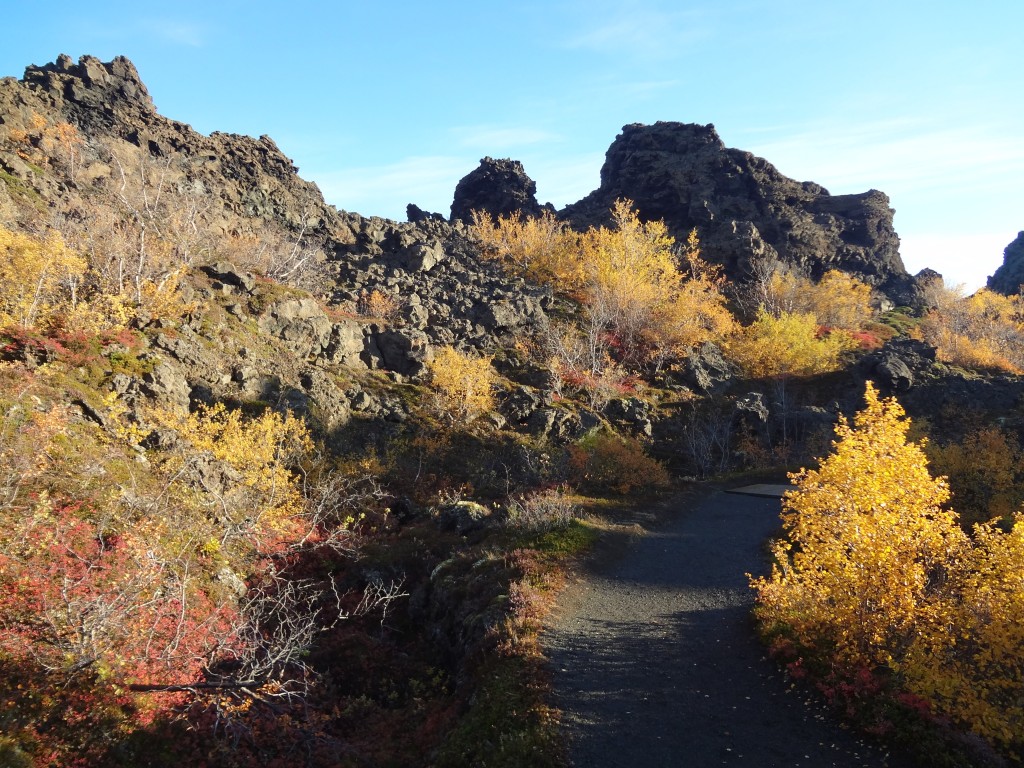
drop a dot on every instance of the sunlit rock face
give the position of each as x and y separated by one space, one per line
743 208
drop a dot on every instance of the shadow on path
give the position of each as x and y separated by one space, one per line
655 662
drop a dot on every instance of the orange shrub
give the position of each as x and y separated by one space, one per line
463 385
607 462
788 345
984 331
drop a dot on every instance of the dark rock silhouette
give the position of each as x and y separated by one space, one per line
1008 279
499 187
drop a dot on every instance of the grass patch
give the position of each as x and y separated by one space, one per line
131 364
19 190
900 319
573 540
507 721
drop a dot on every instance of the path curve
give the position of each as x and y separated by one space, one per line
655 662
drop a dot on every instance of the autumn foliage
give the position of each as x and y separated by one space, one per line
175 581
874 574
837 300
984 471
984 331
644 299
606 462
40 278
542 249
463 385
791 344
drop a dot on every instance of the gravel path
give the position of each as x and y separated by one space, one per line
655 662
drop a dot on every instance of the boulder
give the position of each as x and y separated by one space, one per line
227 273
167 384
300 323
412 249
507 314
752 409
896 366
520 403
463 517
404 351
892 374
555 423
327 400
706 369
347 343
631 411
422 257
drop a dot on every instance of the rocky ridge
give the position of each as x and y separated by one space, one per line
426 272
251 178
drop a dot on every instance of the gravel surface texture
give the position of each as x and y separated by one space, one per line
655 661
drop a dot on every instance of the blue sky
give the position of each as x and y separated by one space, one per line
385 103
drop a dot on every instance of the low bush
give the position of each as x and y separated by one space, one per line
542 511
605 462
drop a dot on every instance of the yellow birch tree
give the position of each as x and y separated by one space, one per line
867 543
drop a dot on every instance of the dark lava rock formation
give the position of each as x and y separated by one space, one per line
1008 279
499 187
743 208
427 270
426 277
442 293
107 101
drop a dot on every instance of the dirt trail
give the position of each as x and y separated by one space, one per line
655 662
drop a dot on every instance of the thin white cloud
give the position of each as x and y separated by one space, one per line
495 139
177 32
898 155
174 31
615 91
385 190
646 88
638 29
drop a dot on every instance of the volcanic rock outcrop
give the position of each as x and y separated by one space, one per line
111 107
425 275
498 187
743 208
441 293
1008 279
